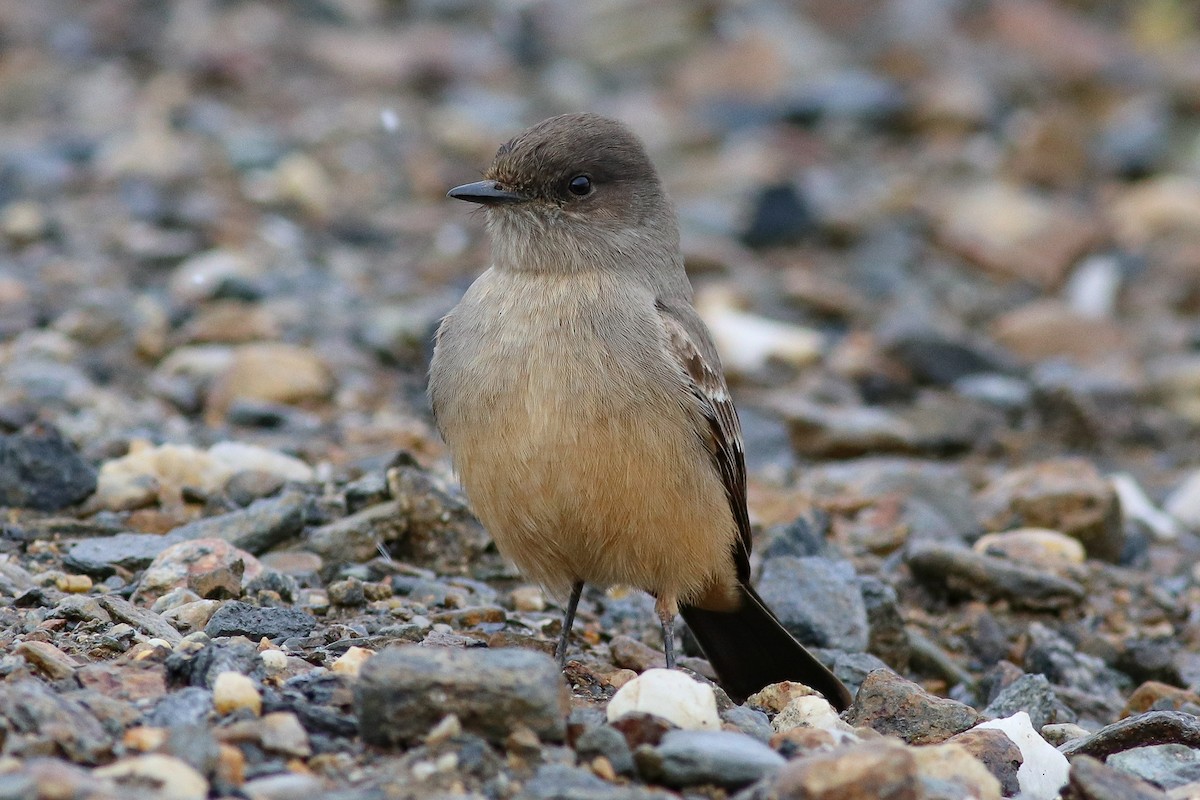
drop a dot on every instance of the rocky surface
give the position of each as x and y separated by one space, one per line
950 253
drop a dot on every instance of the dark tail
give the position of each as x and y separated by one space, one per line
750 649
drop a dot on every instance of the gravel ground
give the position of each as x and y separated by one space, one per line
951 255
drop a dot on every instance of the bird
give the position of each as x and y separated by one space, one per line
585 409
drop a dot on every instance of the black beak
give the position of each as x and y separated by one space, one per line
484 192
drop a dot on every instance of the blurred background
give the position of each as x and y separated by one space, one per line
951 228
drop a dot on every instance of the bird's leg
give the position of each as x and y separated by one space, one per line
666 617
560 652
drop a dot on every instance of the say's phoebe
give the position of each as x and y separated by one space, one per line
585 407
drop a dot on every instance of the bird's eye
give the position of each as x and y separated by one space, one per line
580 185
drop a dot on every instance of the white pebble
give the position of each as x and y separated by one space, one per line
669 694
810 711
1136 505
1044 770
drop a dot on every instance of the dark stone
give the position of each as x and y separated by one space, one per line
940 360
201 667
721 758
1140 730
188 706
404 691
817 600
242 619
102 556
1151 660
324 702
39 469
779 216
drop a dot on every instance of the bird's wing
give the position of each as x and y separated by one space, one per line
689 343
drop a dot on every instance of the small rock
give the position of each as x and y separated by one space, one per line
749 721
809 712
562 782
748 342
233 691
74 584
778 696
281 732
102 557
242 619
1183 503
167 776
839 621
668 694
146 621
284 786
192 616
1055 657
47 659
1043 771
1154 695
270 372
403 691
1031 694
875 769
998 753
608 742
187 706
1165 765
39 469
826 431
39 720
158 473
347 593
1013 231
1066 495
951 768
962 572
528 599
256 529
135 683
1137 507
1046 329
351 662
779 216
722 758
1038 547
1094 780
892 705
208 564
1059 733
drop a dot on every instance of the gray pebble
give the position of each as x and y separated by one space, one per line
404 691
1029 693
838 621
723 758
